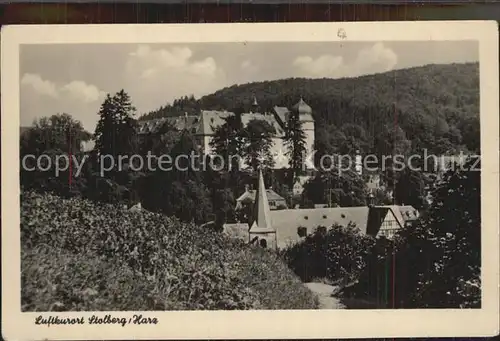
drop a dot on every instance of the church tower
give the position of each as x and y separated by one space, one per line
261 229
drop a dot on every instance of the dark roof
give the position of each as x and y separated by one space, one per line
376 216
302 107
179 122
250 195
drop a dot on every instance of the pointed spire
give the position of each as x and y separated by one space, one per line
255 104
262 215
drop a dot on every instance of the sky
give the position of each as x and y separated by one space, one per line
75 79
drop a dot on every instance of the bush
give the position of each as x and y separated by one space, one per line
79 255
338 254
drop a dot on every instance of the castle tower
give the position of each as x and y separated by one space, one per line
261 228
305 116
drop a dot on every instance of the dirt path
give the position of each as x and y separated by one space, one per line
324 291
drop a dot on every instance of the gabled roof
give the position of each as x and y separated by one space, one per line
402 214
211 119
269 118
375 218
283 113
250 195
150 126
408 213
179 122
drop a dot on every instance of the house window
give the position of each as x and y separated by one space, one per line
302 231
263 243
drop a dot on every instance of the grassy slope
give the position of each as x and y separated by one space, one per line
82 256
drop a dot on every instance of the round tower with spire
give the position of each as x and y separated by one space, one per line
306 117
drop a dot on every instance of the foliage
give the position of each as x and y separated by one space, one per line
81 256
57 132
59 138
444 249
435 263
339 187
116 130
410 189
258 142
337 254
428 103
295 141
228 140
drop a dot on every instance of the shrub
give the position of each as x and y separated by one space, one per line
336 254
79 255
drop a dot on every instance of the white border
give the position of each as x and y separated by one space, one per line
257 324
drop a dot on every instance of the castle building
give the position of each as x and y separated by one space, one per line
203 127
210 120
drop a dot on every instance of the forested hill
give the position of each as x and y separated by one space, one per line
434 104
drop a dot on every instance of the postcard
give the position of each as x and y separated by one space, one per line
246 181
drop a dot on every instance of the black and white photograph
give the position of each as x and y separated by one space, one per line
249 173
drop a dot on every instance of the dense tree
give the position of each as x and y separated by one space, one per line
337 254
59 138
410 189
57 132
442 253
351 139
258 142
116 130
228 141
435 263
176 188
339 188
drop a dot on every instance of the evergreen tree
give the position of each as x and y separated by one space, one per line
409 189
116 129
295 141
258 143
228 141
